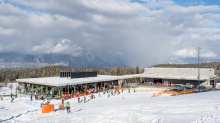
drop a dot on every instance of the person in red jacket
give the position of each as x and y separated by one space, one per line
84 99
78 99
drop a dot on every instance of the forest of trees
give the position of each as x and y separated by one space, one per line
7 76
215 65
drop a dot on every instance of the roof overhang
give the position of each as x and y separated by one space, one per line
57 81
173 77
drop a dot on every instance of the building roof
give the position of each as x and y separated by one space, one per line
57 81
172 77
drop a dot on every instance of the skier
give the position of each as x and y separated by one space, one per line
51 94
1 97
91 96
84 99
108 95
103 92
62 101
123 97
122 90
68 107
31 97
78 99
11 95
134 90
12 100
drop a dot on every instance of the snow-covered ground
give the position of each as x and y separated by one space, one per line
135 108
7 90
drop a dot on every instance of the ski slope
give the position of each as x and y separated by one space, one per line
139 107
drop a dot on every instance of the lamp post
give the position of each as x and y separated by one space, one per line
199 66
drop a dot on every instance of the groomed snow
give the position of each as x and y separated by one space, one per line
135 108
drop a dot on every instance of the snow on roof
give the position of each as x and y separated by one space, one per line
172 77
57 81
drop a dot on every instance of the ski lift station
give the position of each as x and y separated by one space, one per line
82 81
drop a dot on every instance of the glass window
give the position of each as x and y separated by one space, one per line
48 90
30 87
39 89
43 89
26 87
34 88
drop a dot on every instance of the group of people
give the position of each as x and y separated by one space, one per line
109 91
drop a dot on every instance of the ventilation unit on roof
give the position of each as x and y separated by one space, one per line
77 74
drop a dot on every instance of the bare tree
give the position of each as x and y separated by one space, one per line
11 87
1 86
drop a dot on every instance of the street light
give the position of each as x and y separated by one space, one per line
199 66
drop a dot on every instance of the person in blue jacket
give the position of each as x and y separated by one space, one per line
31 96
91 96
12 99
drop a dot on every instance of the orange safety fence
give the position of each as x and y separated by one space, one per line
159 94
47 108
186 92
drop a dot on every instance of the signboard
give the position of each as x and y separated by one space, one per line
166 82
37 104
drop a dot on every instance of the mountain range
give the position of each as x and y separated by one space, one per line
85 60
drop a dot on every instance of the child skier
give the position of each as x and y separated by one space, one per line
108 95
1 97
68 107
123 97
122 90
31 97
134 90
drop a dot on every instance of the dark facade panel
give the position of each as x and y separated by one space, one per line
78 74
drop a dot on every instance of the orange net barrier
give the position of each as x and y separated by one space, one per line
47 108
159 94
187 92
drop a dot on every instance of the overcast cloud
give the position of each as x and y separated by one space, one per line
142 33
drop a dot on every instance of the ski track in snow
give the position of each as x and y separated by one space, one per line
135 108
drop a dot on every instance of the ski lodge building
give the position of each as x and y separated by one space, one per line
82 81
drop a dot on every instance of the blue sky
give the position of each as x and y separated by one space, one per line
197 2
188 2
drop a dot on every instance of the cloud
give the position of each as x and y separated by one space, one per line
62 47
186 53
194 53
144 32
8 32
209 54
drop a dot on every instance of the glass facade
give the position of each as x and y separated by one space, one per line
30 87
48 90
39 88
56 91
44 89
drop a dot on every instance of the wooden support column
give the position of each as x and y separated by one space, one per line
52 89
36 88
41 89
46 89
32 88
28 86
23 86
